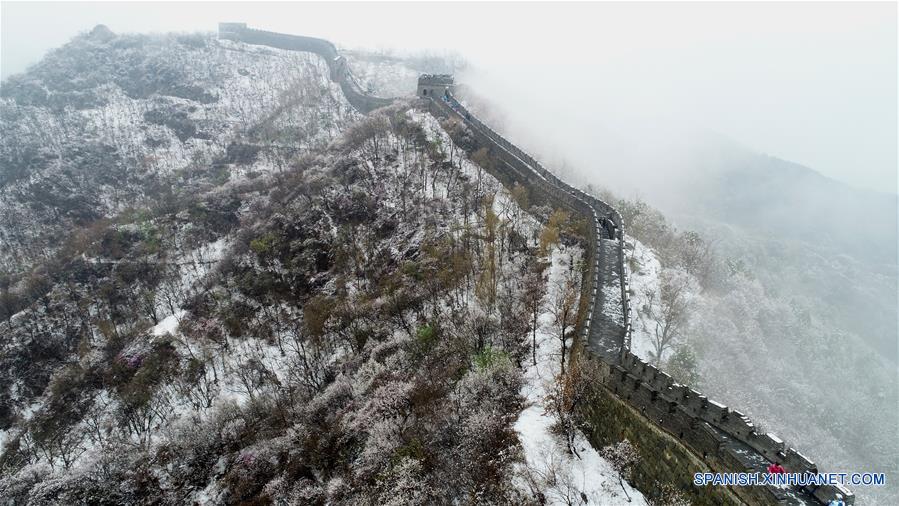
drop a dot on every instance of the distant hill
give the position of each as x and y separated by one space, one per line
785 199
800 232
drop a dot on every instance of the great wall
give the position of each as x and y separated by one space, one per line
693 432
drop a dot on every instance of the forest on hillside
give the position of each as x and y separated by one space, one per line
235 289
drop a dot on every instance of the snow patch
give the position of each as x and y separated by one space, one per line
586 475
646 274
168 325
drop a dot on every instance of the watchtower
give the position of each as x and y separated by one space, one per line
231 30
434 85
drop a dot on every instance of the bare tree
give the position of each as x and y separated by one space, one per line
551 481
141 416
568 392
482 160
564 308
62 443
668 310
533 297
697 255
198 385
624 457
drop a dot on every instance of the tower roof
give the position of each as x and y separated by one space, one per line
436 79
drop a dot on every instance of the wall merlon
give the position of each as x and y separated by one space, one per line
649 374
797 462
627 359
693 401
767 444
678 393
715 412
662 382
738 426
705 440
639 368
664 405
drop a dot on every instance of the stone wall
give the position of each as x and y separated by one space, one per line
701 434
664 464
677 430
514 166
337 66
719 434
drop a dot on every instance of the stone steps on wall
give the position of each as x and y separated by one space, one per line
606 333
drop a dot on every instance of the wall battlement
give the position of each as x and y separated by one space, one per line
664 395
723 438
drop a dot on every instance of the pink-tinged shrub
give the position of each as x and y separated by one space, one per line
246 459
132 361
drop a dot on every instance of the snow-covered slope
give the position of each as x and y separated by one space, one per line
563 476
266 297
110 122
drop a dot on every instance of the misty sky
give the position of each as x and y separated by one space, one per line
814 83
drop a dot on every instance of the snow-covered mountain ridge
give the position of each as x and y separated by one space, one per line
110 122
304 306
262 245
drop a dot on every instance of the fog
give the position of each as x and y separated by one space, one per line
811 83
770 127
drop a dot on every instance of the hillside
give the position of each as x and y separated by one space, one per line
232 288
110 122
801 232
780 285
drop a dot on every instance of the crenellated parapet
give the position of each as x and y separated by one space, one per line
692 417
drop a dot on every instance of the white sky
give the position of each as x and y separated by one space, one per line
814 83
